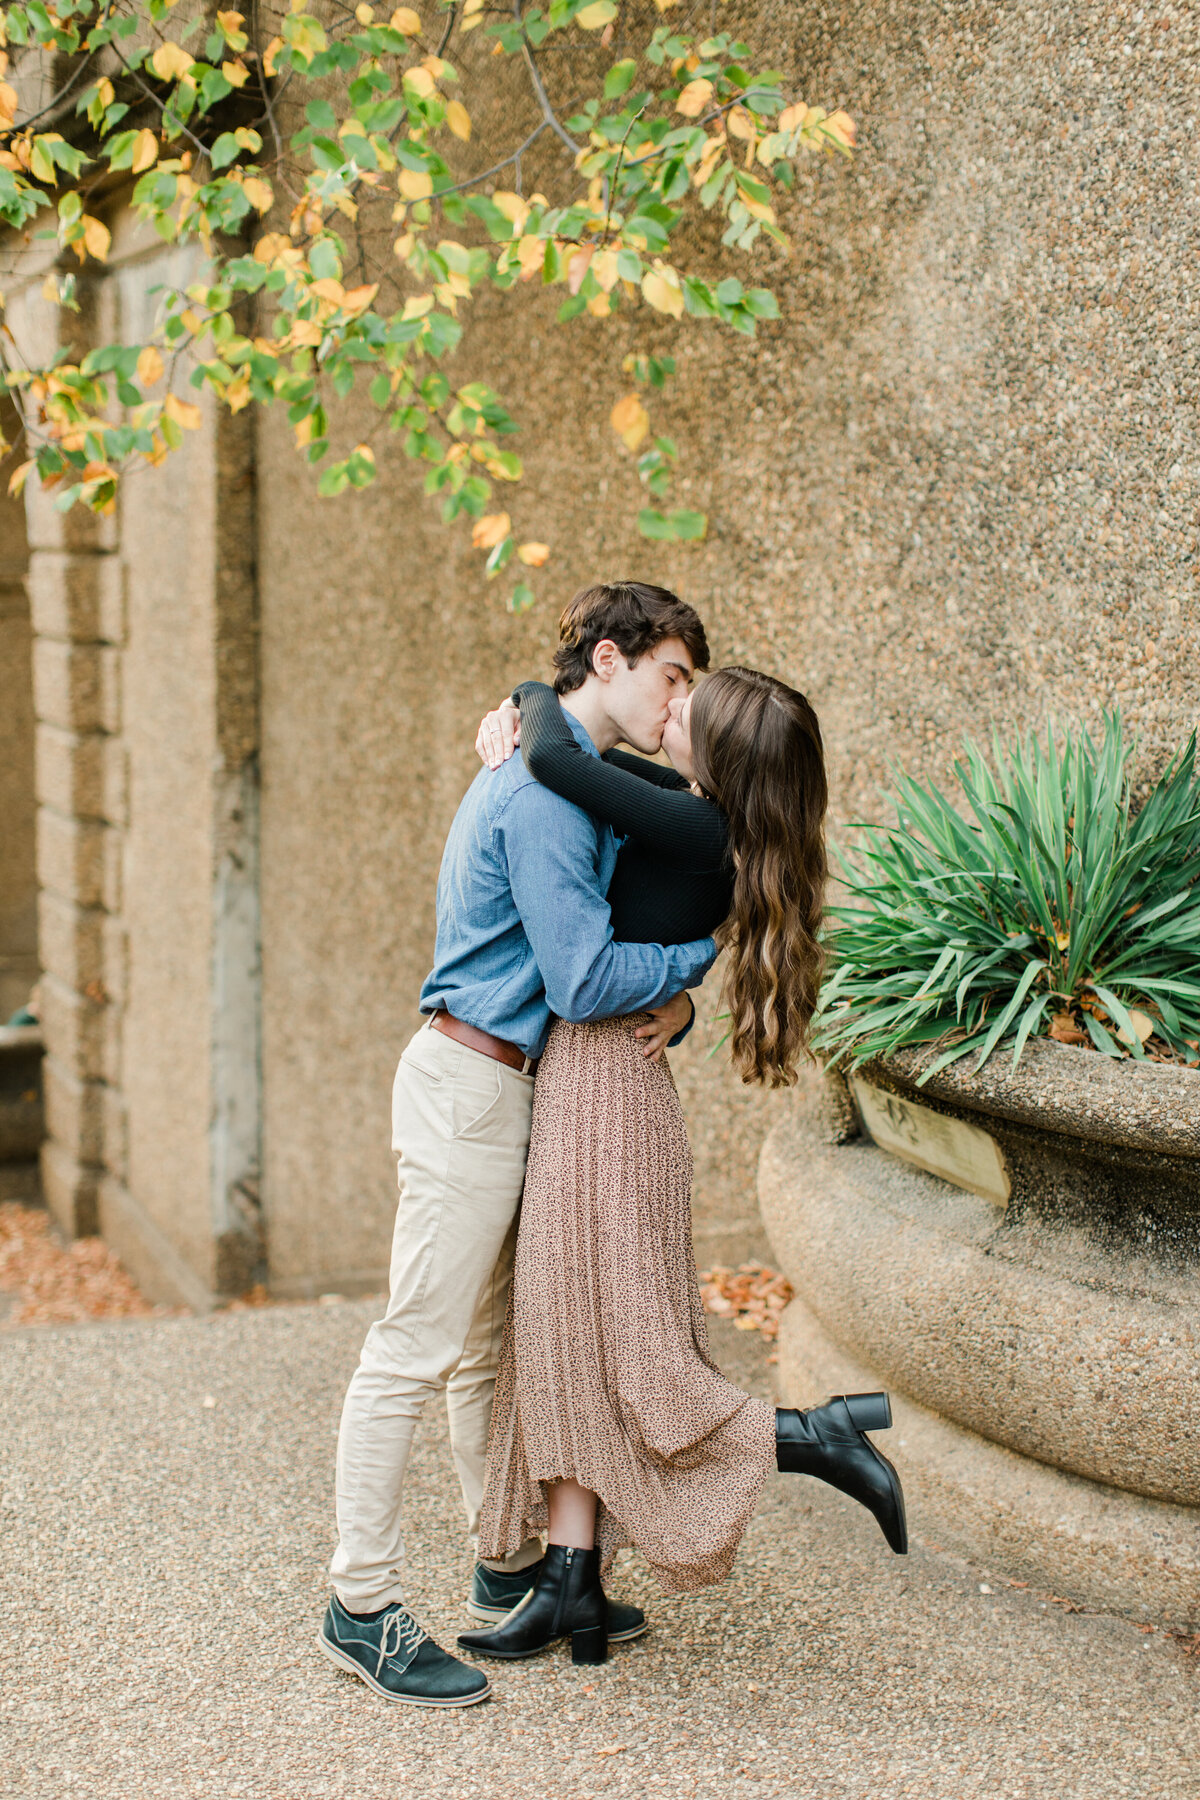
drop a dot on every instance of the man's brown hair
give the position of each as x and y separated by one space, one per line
634 615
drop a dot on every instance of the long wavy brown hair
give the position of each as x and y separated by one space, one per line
756 749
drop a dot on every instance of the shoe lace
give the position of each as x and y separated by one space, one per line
406 1635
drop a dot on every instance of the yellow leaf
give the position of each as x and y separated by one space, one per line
739 124
259 193
50 289
41 163
531 254
8 105
472 15
305 332
600 306
329 289
365 451
192 321
417 305
145 151
415 184
605 269
230 22
403 245
793 117
661 289
170 61
711 156
185 415
306 429
630 420
491 530
149 366
596 16
19 477
270 246
96 237
514 207
459 120
533 555
841 127
406 21
758 209
235 73
270 53
358 299
364 13
420 81
694 98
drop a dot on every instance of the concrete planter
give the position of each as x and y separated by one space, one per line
1019 1266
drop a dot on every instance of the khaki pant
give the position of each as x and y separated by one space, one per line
460 1127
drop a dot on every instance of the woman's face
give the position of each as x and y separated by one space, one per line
677 736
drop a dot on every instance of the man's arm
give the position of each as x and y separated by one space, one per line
549 847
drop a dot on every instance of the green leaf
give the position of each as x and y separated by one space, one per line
224 151
619 79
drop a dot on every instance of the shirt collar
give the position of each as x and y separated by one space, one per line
581 735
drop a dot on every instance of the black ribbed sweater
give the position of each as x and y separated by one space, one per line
674 878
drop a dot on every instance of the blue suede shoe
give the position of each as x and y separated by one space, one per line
494 1593
398 1660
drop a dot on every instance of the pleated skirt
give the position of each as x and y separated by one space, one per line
605 1373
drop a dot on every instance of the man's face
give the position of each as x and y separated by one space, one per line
639 698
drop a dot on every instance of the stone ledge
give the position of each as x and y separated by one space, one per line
1093 1544
1062 1088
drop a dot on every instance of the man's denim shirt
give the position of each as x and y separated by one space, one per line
523 927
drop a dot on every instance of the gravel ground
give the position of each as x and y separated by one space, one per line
166 1523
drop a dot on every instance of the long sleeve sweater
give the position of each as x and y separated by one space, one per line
674 877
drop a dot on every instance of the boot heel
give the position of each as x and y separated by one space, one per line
869 1412
589 1645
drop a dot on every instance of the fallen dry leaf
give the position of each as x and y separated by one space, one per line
752 1296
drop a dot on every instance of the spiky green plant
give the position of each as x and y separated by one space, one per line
1044 904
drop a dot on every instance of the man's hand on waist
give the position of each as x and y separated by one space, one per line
667 1021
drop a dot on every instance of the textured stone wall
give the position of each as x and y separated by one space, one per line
956 485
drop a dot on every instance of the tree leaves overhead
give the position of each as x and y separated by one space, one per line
286 155
1039 904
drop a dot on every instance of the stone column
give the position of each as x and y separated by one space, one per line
146 694
74 581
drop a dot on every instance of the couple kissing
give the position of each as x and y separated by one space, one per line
542 1272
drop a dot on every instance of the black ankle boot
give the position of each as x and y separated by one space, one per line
566 1597
827 1441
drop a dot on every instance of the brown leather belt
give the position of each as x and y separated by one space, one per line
499 1049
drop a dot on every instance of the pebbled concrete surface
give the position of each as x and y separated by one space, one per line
161 1578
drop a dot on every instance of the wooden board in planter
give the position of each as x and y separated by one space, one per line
960 1153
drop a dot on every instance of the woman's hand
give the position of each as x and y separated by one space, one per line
499 734
668 1019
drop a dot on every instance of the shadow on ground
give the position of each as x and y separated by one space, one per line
167 1520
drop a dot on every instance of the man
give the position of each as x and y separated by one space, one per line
523 933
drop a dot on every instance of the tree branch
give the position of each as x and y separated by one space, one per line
548 112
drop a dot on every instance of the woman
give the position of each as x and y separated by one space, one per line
611 1423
